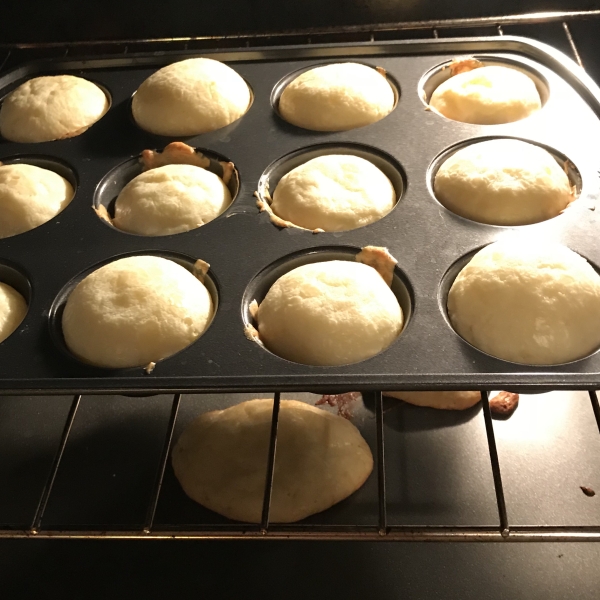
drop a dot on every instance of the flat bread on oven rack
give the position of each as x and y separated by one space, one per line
220 460
441 400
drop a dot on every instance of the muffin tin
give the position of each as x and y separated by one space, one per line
244 248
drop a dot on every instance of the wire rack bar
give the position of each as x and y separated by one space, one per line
160 473
595 407
571 41
491 439
41 508
264 522
6 57
433 534
381 491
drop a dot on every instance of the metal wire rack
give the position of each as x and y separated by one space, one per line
11 55
382 530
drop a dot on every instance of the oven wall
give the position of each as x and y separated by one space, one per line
74 20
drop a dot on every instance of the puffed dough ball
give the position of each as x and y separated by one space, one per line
440 400
487 96
135 311
51 108
12 310
170 199
220 460
528 302
334 193
503 182
329 313
337 97
190 97
29 197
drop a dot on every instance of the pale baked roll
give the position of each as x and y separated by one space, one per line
189 97
487 96
13 309
337 97
29 197
135 311
51 108
503 182
329 313
334 193
170 199
529 302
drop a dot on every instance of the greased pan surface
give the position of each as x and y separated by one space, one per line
428 240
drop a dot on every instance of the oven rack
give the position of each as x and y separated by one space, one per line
559 26
383 530
15 53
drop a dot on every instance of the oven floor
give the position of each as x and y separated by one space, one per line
196 569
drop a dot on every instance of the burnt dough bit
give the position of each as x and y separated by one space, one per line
504 404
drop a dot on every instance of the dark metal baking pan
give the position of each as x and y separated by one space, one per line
424 237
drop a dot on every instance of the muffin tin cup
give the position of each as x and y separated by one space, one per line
58 306
273 174
242 244
258 288
564 162
440 73
446 284
113 183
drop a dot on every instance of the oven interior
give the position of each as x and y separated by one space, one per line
98 466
